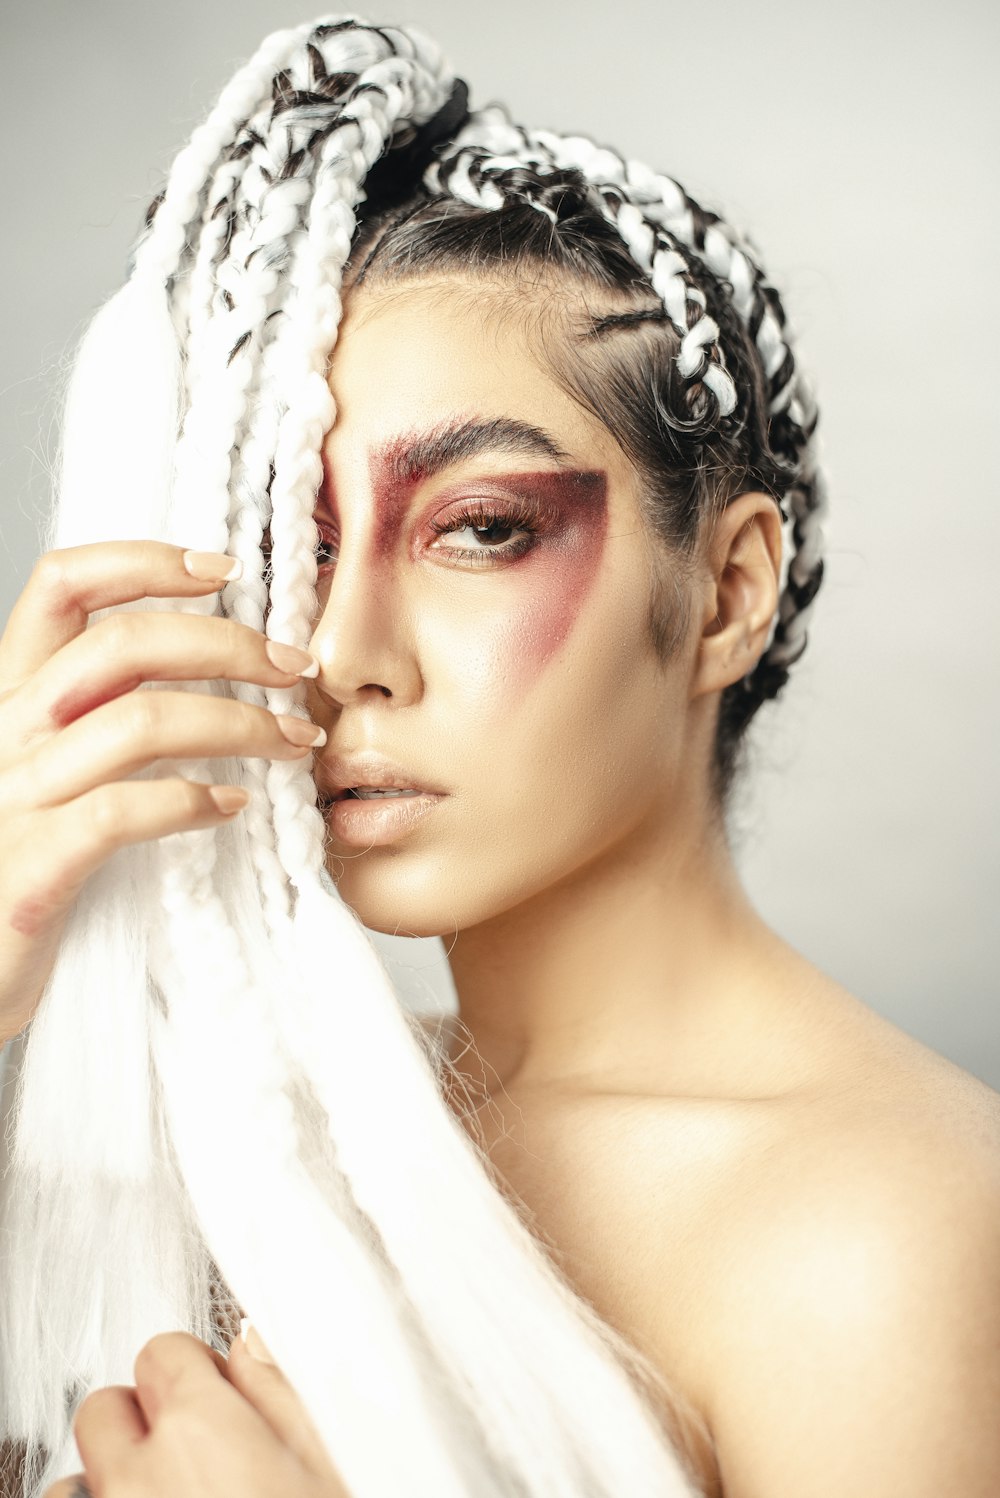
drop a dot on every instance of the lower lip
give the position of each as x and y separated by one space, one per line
366 824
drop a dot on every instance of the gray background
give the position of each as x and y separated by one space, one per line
857 144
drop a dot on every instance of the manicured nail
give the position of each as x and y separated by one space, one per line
212 566
298 731
290 659
229 798
253 1342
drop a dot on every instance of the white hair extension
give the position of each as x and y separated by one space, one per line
271 1229
222 374
77 1139
210 1010
128 364
511 1382
371 1244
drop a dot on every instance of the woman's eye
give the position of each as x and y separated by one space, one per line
327 547
484 539
493 534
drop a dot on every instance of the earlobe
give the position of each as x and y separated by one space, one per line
741 580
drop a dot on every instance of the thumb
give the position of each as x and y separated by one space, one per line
254 1343
254 1373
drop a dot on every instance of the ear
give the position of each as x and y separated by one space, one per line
741 585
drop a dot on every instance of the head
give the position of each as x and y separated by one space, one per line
499 615
594 290
344 252
585 679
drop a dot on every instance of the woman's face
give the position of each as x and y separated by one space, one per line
484 628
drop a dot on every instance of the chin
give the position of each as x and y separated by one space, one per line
422 896
395 899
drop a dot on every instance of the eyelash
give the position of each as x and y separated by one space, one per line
481 516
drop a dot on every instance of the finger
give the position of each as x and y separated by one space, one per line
108 1425
66 586
132 732
174 1366
259 1379
194 1411
70 842
116 654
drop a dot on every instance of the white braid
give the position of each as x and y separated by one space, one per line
189 902
270 1243
159 254
665 266
663 201
269 209
315 317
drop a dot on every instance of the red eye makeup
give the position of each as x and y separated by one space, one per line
540 535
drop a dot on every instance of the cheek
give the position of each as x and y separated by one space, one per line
533 632
545 594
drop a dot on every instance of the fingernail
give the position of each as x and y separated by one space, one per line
212 566
290 659
298 731
253 1342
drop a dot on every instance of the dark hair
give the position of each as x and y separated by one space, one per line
621 366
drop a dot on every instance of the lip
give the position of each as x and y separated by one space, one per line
337 773
366 823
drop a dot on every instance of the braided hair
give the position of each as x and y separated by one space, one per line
373 1246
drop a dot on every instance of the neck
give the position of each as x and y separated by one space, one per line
645 970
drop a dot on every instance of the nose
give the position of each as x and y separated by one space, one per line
362 638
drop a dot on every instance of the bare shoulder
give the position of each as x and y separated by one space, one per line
892 1136
812 1267
851 1337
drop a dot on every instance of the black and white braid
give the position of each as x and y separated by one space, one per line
251 254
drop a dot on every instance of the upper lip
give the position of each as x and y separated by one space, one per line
342 772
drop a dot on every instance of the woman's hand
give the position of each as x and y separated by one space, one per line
72 726
195 1426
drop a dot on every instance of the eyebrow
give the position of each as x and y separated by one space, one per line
417 455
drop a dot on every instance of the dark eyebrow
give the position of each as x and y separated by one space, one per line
418 455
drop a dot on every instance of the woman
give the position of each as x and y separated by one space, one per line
504 466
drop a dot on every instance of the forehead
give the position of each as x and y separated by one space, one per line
410 354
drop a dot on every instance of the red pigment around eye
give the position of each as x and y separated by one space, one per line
392 495
543 590
555 576
539 593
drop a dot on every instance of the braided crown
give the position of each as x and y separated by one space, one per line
670 237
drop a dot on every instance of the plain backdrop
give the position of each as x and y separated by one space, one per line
858 146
